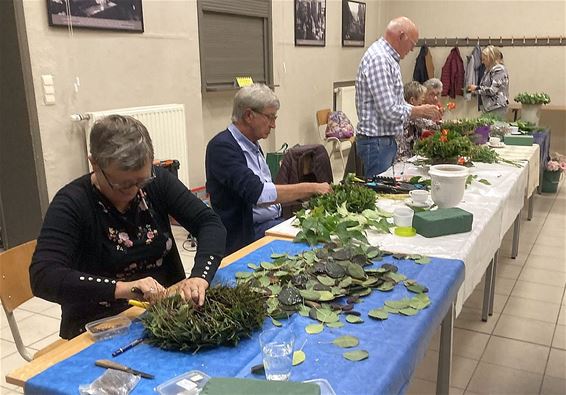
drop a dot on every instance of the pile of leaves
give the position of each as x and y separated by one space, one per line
466 126
345 213
311 283
228 314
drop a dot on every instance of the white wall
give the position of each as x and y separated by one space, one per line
162 65
530 68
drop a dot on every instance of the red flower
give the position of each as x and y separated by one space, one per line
426 134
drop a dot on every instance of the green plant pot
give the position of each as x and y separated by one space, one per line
550 180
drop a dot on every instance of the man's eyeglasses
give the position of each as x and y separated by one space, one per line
129 185
270 117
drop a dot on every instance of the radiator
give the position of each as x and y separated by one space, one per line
346 102
166 126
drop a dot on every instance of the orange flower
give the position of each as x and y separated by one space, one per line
443 139
444 132
451 105
461 160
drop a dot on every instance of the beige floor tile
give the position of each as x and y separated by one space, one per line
462 369
559 340
543 276
18 313
503 286
524 329
553 386
550 251
512 353
53 312
37 305
562 316
7 348
493 379
470 319
505 257
426 387
508 271
528 308
557 364
10 363
475 301
535 291
37 327
45 341
543 262
469 344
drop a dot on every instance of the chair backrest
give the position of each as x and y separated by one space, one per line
322 120
15 287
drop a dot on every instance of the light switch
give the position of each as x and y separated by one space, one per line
49 89
47 79
49 100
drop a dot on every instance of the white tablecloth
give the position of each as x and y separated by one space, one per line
494 208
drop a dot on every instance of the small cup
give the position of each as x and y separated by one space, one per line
403 217
419 195
494 141
277 351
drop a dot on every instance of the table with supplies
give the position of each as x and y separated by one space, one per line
395 345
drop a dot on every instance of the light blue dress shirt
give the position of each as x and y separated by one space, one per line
256 162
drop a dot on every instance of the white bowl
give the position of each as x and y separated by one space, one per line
448 183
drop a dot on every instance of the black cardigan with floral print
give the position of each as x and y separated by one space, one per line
86 245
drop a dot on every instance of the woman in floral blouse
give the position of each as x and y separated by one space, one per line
107 237
494 85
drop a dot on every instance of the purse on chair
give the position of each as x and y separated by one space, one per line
339 126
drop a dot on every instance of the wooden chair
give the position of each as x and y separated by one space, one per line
338 146
15 290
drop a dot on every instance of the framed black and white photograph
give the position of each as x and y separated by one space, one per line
125 15
310 22
353 23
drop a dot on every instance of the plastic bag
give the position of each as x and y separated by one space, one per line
111 382
339 126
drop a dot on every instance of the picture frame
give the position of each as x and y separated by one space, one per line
310 23
353 23
123 15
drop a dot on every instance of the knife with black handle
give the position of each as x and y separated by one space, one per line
105 363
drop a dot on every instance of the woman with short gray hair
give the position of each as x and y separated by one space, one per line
107 236
433 90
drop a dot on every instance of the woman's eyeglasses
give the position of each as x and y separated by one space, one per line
129 185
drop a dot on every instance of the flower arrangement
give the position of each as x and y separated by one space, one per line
557 163
532 98
445 146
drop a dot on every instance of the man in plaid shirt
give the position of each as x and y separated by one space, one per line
381 107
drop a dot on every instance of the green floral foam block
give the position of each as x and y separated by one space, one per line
518 140
442 222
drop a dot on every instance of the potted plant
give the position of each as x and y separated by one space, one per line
530 105
552 173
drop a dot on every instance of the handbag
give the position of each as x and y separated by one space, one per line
339 126
274 159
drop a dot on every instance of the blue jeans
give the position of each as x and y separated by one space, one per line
260 228
377 153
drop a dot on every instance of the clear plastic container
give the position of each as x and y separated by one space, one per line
190 383
108 327
325 387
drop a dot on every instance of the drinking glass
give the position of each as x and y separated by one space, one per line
277 351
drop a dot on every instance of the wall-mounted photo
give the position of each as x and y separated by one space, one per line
97 14
353 23
310 22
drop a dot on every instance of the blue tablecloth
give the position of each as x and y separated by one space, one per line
395 346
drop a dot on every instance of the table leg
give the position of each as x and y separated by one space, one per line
516 234
445 354
494 276
487 291
531 203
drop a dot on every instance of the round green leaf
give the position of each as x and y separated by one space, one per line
354 319
337 324
275 322
325 296
378 314
326 280
252 266
299 357
346 341
325 315
313 329
408 311
243 275
356 355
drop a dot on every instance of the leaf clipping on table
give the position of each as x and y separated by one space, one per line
354 319
378 314
313 329
299 357
346 341
356 355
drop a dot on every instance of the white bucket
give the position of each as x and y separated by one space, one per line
448 183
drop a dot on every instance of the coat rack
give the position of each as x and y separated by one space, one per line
496 41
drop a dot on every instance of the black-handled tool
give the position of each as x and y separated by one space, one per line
105 363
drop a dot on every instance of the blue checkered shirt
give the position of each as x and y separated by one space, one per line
381 107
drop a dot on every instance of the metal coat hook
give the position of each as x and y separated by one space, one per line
547 40
456 41
435 41
445 41
500 41
523 40
467 40
512 41
560 40
536 40
489 42
478 43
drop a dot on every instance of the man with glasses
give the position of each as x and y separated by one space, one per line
237 176
107 237
380 105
